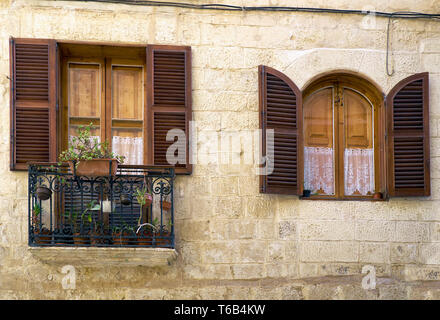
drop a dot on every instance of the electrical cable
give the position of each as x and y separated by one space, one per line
227 7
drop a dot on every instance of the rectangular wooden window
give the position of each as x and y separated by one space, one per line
105 86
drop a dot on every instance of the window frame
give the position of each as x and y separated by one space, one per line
106 61
337 81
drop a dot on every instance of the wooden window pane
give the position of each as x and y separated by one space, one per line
127 113
358 149
319 168
84 96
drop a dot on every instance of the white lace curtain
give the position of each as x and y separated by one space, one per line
358 170
319 170
131 148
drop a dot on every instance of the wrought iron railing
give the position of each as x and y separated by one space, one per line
133 208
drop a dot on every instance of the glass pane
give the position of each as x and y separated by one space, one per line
127 113
358 149
319 168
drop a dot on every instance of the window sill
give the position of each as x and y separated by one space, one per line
99 257
342 199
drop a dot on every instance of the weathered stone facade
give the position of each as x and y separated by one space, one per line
234 242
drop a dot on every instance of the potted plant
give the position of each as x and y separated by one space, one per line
163 235
86 156
64 234
43 235
166 205
144 198
306 192
120 235
77 237
87 217
377 195
145 235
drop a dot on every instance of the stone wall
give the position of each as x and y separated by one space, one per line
234 242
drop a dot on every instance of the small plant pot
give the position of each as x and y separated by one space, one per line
166 205
94 167
148 199
306 193
43 193
43 236
63 236
377 195
145 238
125 199
81 239
163 239
120 238
96 239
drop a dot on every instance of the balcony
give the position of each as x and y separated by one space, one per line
130 209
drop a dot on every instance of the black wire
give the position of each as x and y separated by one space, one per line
226 7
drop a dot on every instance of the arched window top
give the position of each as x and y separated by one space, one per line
356 82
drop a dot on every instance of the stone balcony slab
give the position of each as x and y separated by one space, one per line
101 257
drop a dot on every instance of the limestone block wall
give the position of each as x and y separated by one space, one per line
234 242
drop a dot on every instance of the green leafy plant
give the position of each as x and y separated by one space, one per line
87 214
36 211
85 147
141 197
71 217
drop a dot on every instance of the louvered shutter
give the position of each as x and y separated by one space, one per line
281 110
33 101
168 101
408 137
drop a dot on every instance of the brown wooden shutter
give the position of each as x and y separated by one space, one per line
33 101
168 100
408 137
281 110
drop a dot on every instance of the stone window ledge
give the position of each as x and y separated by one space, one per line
100 257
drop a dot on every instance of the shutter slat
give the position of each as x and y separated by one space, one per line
409 137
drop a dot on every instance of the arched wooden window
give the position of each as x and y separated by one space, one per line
347 140
342 140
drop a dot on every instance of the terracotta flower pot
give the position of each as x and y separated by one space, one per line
163 238
145 238
43 193
44 236
96 238
81 239
166 205
120 238
148 199
377 195
94 167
